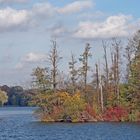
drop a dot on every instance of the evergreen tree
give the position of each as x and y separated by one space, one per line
134 78
41 79
73 73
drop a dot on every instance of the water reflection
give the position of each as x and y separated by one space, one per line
20 124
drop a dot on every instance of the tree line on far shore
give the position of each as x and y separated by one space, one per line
15 96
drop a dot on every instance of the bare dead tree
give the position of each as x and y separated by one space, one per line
85 67
106 62
99 86
106 71
101 90
54 60
116 44
97 82
61 80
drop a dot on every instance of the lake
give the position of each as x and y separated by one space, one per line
19 123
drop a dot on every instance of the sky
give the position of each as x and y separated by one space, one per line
28 26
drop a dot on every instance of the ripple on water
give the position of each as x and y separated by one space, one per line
20 124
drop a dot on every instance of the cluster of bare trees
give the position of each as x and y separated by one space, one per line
107 77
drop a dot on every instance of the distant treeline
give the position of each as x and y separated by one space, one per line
17 96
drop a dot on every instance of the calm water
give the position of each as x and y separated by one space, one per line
19 124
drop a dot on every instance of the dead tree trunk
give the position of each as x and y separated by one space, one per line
54 59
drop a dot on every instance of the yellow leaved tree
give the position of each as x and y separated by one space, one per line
3 97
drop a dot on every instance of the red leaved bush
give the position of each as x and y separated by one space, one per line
116 113
90 111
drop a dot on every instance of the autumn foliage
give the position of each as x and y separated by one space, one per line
116 113
76 98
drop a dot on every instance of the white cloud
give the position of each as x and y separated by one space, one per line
48 10
31 58
11 19
43 10
113 26
12 1
19 66
58 30
118 26
92 15
34 57
75 7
